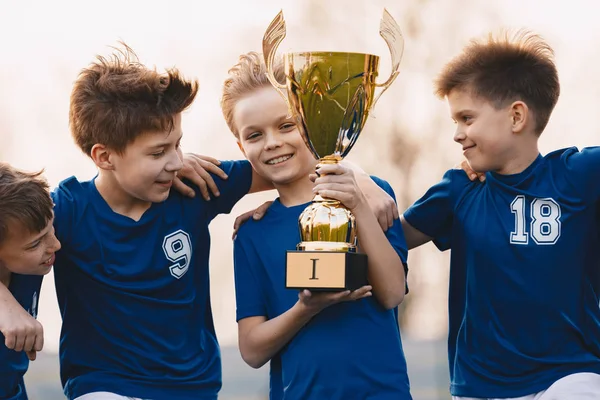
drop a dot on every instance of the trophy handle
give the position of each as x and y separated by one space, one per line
390 32
273 37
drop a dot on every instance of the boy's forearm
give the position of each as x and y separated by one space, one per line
385 269
266 339
7 300
21 331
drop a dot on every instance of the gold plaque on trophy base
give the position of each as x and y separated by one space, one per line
329 271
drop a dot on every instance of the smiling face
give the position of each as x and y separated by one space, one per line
146 169
484 132
270 140
27 253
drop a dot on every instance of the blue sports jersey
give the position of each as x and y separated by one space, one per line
523 277
14 364
350 350
134 295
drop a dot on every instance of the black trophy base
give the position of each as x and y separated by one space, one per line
325 271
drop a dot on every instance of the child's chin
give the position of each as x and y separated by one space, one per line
158 197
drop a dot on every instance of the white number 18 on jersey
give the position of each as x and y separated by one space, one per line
545 221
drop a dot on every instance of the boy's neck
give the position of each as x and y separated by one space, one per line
295 193
119 201
523 156
5 276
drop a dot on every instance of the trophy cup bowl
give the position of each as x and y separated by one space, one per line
331 95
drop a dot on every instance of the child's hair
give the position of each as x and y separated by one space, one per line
249 74
24 200
116 99
504 69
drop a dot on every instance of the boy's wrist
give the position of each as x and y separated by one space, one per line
362 205
304 311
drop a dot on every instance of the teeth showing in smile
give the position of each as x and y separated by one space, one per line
48 260
279 160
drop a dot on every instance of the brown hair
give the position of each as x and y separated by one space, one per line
504 69
24 199
249 74
116 99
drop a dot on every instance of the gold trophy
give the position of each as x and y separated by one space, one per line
331 95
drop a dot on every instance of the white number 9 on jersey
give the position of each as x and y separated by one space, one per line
178 249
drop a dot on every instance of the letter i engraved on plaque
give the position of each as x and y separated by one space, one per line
314 269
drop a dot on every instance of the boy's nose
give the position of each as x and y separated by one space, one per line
175 164
272 142
459 135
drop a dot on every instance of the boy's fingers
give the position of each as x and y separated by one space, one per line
395 212
383 216
364 291
334 169
390 217
183 188
31 355
262 210
39 342
240 220
29 343
211 167
332 179
10 341
208 158
358 296
19 343
334 194
204 181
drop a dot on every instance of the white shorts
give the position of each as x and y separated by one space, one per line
105 396
582 386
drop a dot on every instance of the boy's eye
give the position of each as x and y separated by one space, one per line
158 154
467 118
254 135
286 127
34 245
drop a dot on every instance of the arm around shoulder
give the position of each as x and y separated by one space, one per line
21 331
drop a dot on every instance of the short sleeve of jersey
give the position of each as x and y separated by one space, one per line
64 198
248 292
433 213
583 170
231 189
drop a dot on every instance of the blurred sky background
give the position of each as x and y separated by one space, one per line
407 141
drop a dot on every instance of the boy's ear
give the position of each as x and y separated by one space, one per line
241 148
519 112
101 156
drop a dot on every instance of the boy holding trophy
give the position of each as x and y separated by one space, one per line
323 343
333 345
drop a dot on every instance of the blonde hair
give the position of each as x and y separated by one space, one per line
248 75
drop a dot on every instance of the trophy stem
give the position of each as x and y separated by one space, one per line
327 160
